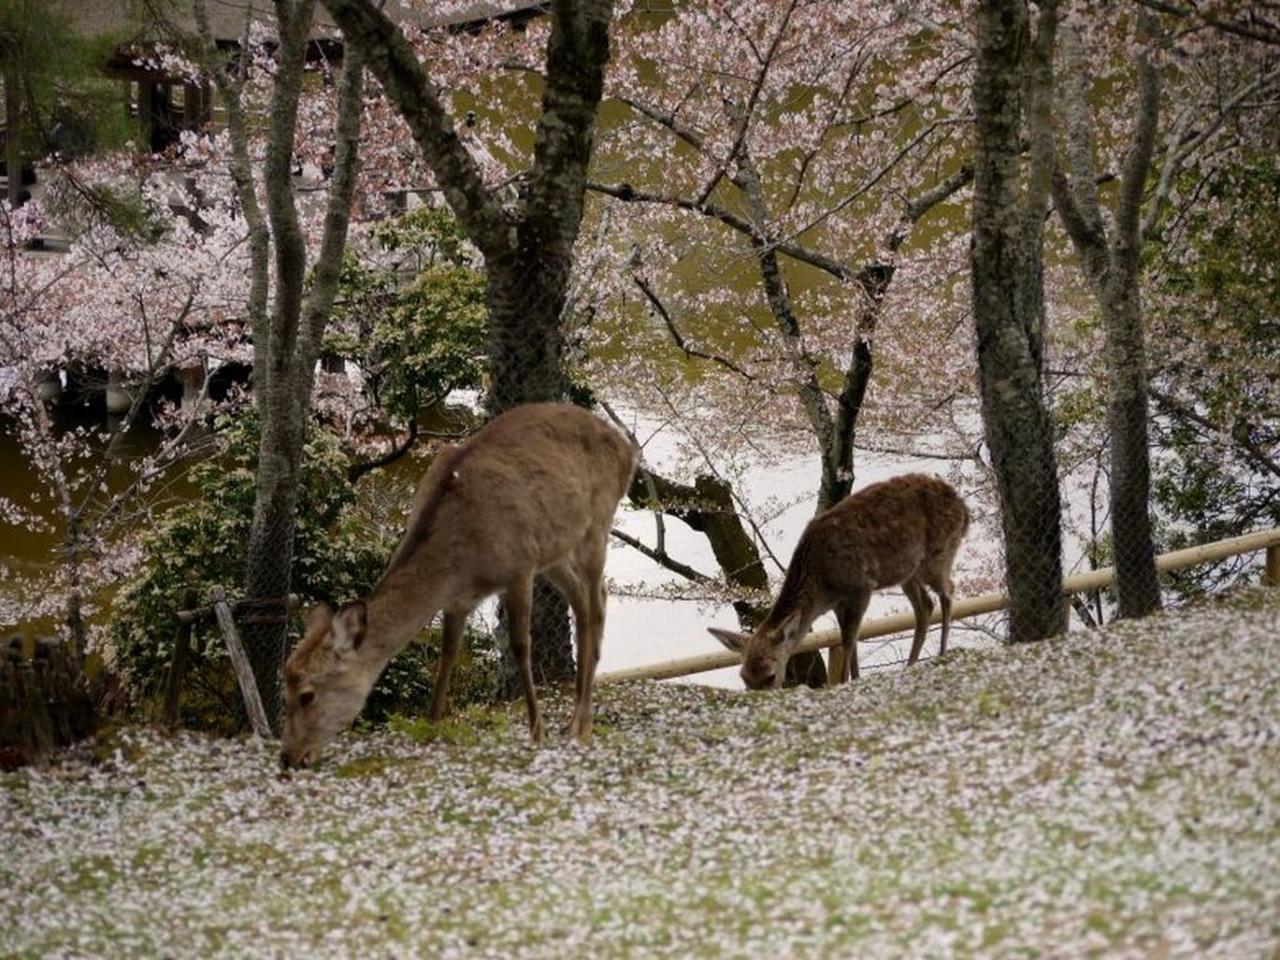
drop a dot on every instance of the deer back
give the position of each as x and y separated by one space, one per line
517 496
882 536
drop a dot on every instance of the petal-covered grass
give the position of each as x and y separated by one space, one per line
1114 793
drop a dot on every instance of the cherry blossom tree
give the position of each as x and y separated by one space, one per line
287 334
527 240
140 302
810 137
1013 90
764 197
1199 103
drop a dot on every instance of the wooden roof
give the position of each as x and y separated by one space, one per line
227 17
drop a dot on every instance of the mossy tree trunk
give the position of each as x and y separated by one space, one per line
1013 84
287 337
528 246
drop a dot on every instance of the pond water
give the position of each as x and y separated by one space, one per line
639 629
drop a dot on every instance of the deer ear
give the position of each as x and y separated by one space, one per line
318 617
349 625
734 641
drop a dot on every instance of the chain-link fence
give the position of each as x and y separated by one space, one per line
523 343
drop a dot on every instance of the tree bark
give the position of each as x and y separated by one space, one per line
708 508
1114 272
526 298
1137 581
528 251
1008 308
284 378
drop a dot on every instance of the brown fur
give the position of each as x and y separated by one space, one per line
904 531
533 492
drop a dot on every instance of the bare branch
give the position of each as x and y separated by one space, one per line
668 120
1239 29
392 60
916 208
661 310
662 558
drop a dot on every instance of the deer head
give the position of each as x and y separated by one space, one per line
326 681
765 652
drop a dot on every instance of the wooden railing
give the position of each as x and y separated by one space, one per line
1268 540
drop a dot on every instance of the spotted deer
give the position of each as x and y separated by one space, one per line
905 530
533 492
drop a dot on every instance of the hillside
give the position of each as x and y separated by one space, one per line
1114 792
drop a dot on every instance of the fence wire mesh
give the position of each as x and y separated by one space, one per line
524 339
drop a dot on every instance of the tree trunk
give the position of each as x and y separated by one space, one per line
526 365
13 135
527 291
526 340
285 373
278 381
1137 582
1114 271
708 508
1008 313
528 251
269 559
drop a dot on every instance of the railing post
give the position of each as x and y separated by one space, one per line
240 663
178 664
835 664
1271 576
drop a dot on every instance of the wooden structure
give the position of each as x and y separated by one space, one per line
225 614
45 701
1268 540
165 104
240 663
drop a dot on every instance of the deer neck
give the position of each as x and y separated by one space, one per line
398 609
798 598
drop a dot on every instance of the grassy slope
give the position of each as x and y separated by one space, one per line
1115 792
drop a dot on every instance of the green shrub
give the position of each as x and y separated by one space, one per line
416 340
200 543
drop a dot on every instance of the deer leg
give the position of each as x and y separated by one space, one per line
454 624
601 600
567 581
923 608
849 615
944 599
588 664
591 557
519 600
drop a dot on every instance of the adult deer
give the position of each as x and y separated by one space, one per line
905 531
533 492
